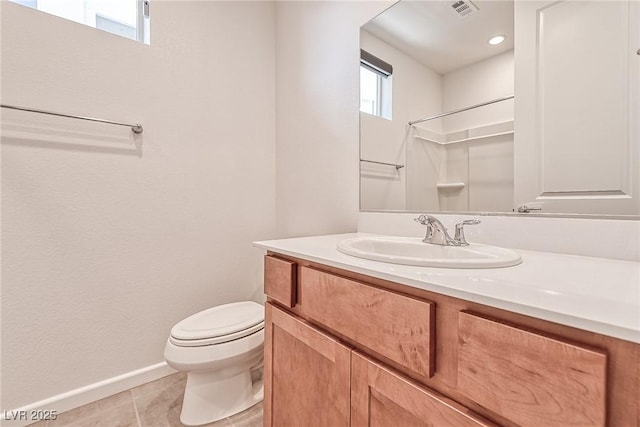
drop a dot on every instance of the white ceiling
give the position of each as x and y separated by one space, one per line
434 34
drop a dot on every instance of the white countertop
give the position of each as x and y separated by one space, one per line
595 294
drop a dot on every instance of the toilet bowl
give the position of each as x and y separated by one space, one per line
221 349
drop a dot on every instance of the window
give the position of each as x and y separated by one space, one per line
126 18
375 85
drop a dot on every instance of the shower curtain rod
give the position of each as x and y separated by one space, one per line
135 128
448 113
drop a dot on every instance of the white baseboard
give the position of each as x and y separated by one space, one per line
87 394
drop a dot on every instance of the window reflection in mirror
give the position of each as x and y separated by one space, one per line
562 137
375 86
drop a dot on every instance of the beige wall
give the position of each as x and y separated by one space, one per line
317 122
482 81
106 242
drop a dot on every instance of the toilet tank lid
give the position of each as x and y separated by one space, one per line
219 321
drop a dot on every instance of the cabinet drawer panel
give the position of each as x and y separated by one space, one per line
394 326
280 280
382 397
529 378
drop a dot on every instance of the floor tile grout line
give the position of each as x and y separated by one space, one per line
135 408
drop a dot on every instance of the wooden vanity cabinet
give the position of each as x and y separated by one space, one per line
353 350
313 380
390 325
307 374
382 397
280 282
530 378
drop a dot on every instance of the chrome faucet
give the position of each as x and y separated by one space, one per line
437 232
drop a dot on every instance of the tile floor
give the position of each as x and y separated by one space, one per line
156 404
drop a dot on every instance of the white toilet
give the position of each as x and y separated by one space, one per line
221 348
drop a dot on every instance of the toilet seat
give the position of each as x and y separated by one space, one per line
218 325
216 340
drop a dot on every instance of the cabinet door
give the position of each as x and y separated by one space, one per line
307 374
381 397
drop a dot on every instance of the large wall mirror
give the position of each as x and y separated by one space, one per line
496 106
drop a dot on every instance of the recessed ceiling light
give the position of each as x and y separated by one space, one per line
496 39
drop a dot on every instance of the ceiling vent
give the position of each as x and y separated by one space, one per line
464 8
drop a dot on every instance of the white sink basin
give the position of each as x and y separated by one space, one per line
412 251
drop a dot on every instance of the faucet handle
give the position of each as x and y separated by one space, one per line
425 219
422 219
459 236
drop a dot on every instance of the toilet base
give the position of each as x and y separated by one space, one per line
208 398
